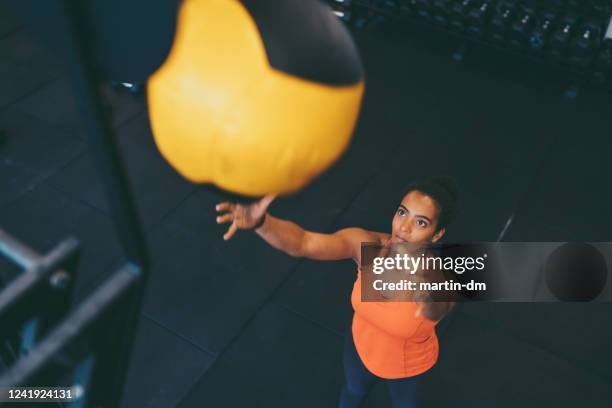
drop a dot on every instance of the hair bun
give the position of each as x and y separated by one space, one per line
447 184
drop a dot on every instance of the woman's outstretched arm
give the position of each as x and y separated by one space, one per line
296 241
289 237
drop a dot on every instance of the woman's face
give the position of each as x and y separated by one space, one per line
416 220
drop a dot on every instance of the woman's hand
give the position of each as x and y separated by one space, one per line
243 216
434 311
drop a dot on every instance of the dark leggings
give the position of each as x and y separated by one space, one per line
358 381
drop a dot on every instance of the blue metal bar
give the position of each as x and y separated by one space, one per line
89 318
15 251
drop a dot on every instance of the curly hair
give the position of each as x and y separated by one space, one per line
443 191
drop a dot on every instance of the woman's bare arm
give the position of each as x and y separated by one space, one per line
296 241
289 237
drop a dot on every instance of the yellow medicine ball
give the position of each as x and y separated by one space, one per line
256 96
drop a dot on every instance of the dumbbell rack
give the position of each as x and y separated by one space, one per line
566 35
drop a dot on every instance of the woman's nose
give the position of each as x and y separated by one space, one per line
405 226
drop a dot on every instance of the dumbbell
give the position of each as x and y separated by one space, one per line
390 4
440 12
560 38
601 8
408 7
135 88
582 47
539 36
361 17
342 10
501 22
557 5
520 30
477 19
423 9
573 6
459 13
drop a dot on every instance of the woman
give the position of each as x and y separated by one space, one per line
392 341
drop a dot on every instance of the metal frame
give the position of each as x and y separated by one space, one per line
94 342
38 298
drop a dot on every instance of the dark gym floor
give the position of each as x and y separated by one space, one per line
233 324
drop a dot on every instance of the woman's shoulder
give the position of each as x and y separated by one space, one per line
375 237
358 236
372 238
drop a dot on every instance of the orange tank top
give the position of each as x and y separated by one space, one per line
391 341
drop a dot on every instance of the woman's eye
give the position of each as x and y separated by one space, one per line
401 212
422 223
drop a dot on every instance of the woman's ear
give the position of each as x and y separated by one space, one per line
438 235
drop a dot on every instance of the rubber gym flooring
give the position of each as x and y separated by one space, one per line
234 324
